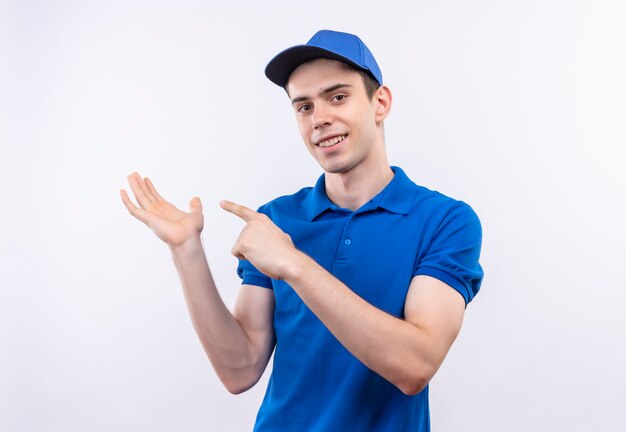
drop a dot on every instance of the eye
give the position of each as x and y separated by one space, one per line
304 108
339 97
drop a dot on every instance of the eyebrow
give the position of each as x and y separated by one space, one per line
323 92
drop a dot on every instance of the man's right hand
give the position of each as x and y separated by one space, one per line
173 226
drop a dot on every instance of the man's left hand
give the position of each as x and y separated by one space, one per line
262 243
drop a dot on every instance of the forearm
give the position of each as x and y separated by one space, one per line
394 348
233 356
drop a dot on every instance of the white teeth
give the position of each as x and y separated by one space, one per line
331 141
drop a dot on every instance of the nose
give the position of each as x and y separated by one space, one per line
321 116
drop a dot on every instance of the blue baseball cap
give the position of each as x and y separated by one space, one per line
330 44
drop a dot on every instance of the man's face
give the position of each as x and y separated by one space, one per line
337 121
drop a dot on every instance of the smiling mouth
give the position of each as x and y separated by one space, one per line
332 141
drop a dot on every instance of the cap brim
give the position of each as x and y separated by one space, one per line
284 63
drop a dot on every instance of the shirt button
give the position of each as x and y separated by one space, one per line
347 242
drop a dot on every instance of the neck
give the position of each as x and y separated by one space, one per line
358 185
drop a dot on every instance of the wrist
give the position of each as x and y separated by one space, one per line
191 246
297 267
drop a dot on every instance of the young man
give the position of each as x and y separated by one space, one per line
358 284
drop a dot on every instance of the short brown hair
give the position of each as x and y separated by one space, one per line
371 85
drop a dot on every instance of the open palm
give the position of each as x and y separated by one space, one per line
170 224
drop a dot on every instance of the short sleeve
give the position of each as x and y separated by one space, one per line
251 276
453 252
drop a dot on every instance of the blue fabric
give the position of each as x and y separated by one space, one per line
406 230
345 47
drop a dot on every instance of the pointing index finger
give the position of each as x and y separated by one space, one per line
238 210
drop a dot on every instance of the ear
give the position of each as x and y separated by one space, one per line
382 101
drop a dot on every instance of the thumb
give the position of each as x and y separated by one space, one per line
195 205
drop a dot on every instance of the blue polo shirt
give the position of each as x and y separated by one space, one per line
404 231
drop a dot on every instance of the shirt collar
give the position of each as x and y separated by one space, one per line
396 197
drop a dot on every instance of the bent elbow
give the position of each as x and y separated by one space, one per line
239 384
413 387
236 389
416 381
241 377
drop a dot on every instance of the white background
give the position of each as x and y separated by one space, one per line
518 108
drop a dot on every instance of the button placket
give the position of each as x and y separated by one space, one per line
345 240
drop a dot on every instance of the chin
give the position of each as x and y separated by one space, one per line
336 168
